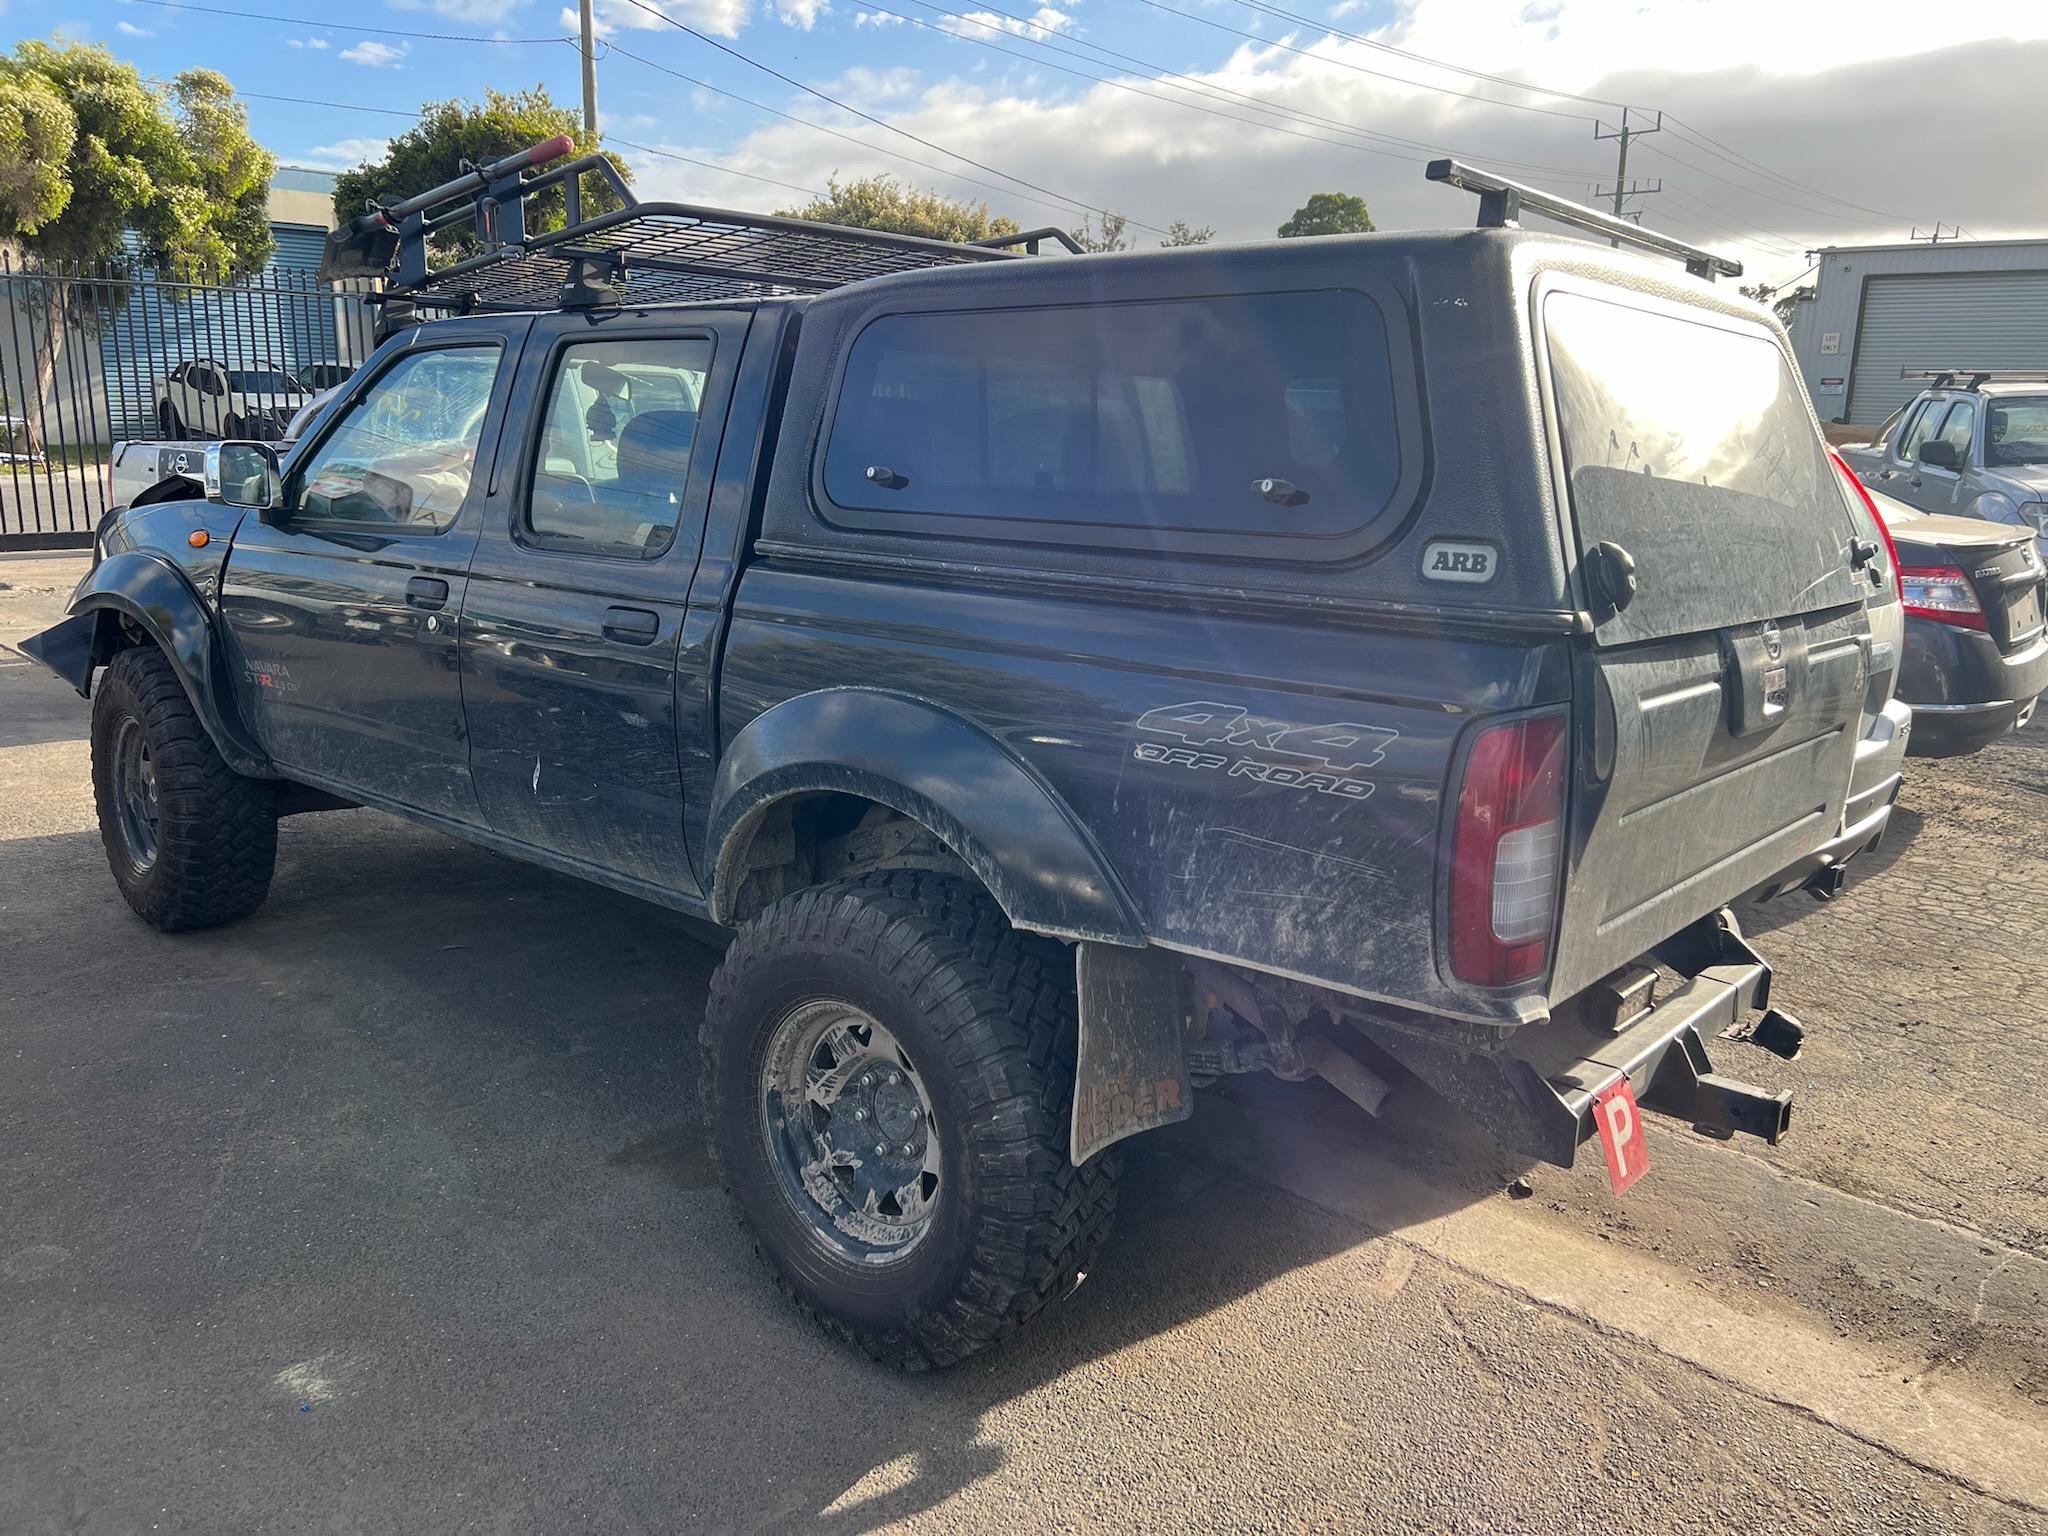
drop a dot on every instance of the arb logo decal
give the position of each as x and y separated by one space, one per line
1458 560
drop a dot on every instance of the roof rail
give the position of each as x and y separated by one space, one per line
1502 203
636 253
1944 378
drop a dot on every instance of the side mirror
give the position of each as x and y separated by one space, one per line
1940 454
245 475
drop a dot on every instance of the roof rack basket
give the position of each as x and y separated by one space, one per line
634 253
1503 202
1945 378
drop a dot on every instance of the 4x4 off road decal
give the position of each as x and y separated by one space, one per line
1206 737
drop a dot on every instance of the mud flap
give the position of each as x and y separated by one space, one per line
66 649
1130 1068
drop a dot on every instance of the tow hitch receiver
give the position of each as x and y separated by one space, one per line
1537 1090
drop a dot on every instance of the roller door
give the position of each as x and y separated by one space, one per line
1936 320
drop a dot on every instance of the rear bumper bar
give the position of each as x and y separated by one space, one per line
1535 1090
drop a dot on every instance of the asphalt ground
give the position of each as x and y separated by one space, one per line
387 1210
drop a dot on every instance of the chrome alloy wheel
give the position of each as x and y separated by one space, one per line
850 1134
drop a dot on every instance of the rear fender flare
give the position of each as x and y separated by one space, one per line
988 807
160 599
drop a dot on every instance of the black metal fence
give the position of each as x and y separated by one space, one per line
96 355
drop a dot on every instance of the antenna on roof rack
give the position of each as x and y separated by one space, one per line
1502 203
638 253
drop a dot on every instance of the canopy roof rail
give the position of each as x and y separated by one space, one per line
635 253
1503 202
1945 378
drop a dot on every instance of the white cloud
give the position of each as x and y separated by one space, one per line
372 54
344 153
129 29
460 10
1749 72
872 87
306 42
801 14
876 19
982 23
721 18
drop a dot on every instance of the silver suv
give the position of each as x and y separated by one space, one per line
1974 443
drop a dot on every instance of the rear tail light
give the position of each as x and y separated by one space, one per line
1941 593
1884 531
1506 852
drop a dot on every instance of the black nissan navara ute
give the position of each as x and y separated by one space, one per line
1072 679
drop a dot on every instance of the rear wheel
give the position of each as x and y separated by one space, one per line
888 1073
191 842
168 421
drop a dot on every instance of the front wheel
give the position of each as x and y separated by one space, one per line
191 842
888 1073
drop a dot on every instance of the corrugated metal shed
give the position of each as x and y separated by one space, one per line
1879 308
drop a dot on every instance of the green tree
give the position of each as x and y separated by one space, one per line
1329 213
1784 304
883 202
450 133
90 152
1180 232
1109 237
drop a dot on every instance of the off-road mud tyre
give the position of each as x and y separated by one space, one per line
986 1015
214 831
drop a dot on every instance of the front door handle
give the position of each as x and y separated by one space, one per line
631 626
428 592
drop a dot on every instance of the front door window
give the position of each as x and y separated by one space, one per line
404 453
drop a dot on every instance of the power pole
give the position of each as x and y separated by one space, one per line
589 67
1623 188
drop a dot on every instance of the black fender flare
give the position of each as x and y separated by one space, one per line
159 598
957 781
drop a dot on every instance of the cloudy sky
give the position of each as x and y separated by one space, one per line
1787 123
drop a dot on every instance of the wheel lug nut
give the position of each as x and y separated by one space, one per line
895 1077
860 1114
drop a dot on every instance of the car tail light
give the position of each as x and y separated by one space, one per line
1506 852
1941 593
1884 531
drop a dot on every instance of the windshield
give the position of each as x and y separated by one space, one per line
260 381
2017 432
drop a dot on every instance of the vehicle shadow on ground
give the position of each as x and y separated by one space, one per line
531 1042
48 711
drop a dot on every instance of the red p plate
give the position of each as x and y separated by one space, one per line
1621 1134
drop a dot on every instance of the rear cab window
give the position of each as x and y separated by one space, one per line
1164 423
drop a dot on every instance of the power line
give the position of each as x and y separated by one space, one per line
725 170
1420 58
1698 137
873 149
1420 85
341 26
1713 146
1191 86
796 84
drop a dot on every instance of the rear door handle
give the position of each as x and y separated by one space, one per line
426 592
631 626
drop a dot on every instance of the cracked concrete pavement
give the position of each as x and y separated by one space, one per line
386 1210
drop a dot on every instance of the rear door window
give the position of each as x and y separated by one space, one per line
1957 430
1920 428
1687 442
1269 415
